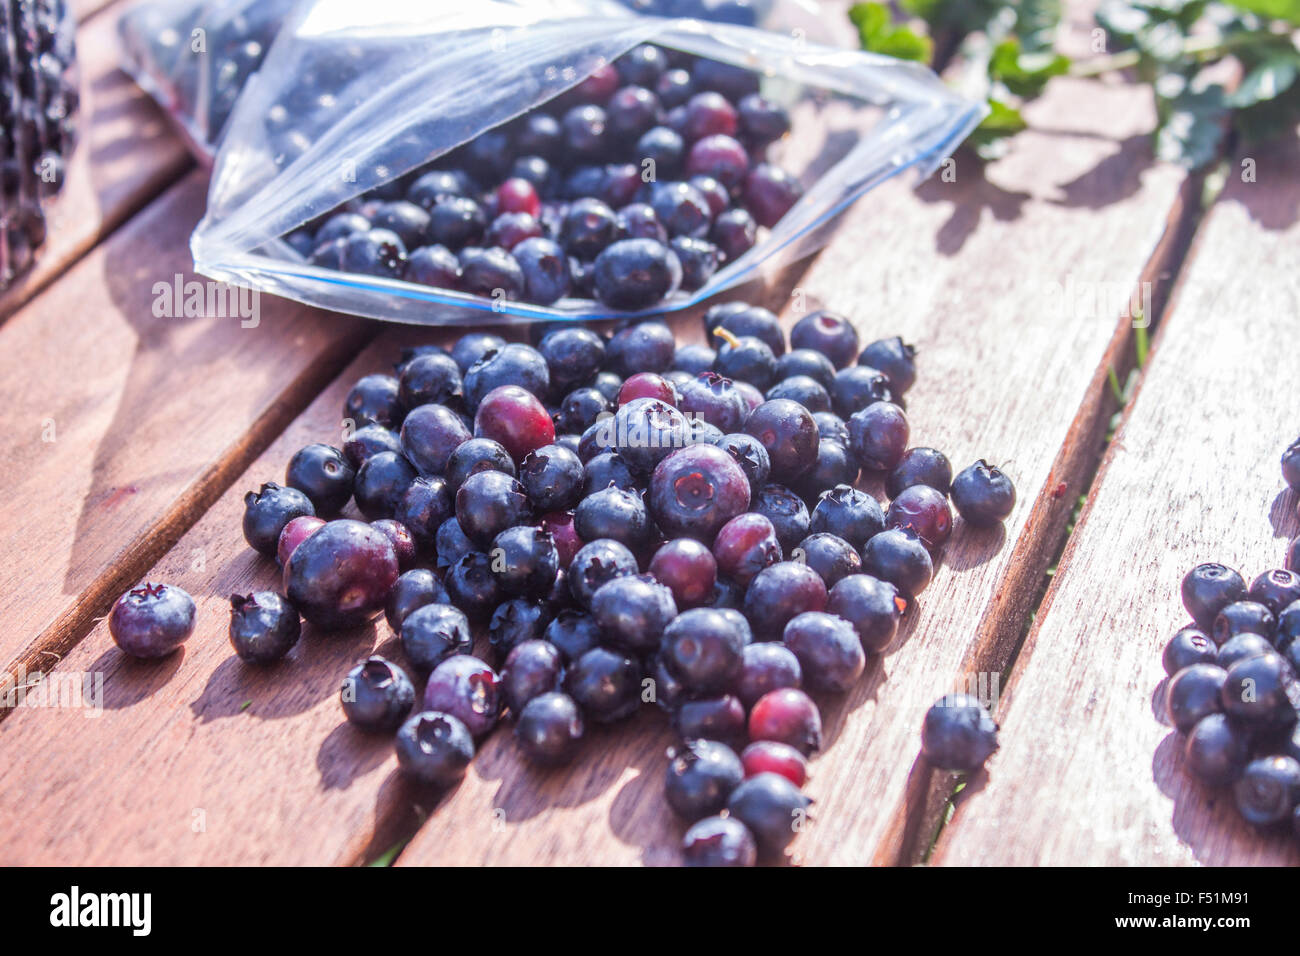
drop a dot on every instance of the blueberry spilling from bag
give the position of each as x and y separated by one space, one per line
643 180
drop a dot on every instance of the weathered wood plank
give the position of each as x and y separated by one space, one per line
1088 771
127 155
963 270
121 426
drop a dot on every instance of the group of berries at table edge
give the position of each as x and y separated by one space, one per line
634 522
645 178
1232 689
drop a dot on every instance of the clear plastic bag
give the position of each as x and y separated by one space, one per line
39 97
194 57
354 97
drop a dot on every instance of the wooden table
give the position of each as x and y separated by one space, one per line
130 441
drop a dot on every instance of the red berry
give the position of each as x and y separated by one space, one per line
647 385
744 546
295 533
518 195
688 569
925 511
559 525
513 417
769 756
787 716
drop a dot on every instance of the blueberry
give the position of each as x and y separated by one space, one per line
895 359
491 273
605 684
379 252
734 232
666 149
268 510
701 775
779 593
769 193
719 841
1259 691
377 695
920 466
694 491
407 220
787 513
375 399
674 88
958 733
899 556
1243 617
511 229
466 688
694 359
925 511
847 513
1291 465
772 808
857 387
983 494
511 364
1288 626
719 718
550 729
380 484
634 274
532 668
573 633
422 509
789 434
1193 693
552 478
703 648
719 157
488 503
152 620
573 355
709 113
413 589
646 346
516 621
807 391
594 564
698 260
615 514
744 546
606 469
430 379
642 65
340 226
456 222
748 452
433 632
473 587
762 121
1268 790
1217 750
367 441
829 555
744 320
263 626
633 611
1239 648
830 427
525 561
747 359
475 455
644 432
767 667
472 347
1207 589
435 748
878 436
1189 646
688 569
682 209
1276 589
451 543
829 651
580 409
432 186
828 333
341 575
429 435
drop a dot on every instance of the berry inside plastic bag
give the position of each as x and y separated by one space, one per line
370 163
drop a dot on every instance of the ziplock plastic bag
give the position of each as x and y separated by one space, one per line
194 56
39 96
357 99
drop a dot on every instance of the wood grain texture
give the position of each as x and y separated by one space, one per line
963 270
1088 771
260 758
127 155
121 427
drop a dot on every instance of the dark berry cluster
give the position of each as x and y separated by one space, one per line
200 85
1232 691
628 522
39 97
644 179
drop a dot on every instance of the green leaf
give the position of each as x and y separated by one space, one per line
878 34
988 140
1288 10
1267 80
1024 74
1192 127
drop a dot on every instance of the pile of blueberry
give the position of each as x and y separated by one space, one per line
645 178
1232 689
200 85
631 522
39 96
